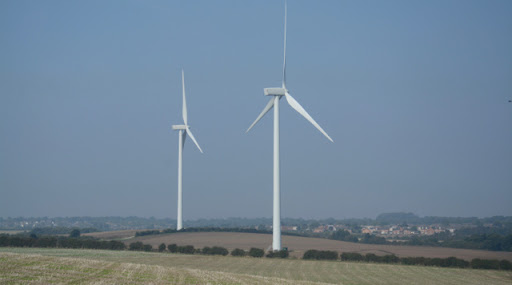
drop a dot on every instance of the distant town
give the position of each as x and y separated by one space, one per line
386 231
492 233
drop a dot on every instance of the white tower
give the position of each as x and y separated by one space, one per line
276 94
183 131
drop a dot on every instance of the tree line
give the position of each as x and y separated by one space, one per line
91 243
475 263
59 242
484 241
214 250
202 229
468 239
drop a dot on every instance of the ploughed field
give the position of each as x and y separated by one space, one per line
66 266
298 245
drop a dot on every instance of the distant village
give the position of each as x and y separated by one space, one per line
385 231
389 231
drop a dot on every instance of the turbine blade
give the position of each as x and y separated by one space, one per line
184 111
193 139
295 105
267 108
284 56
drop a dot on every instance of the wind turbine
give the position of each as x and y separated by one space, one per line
276 93
183 131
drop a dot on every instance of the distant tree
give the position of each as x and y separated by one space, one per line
148 247
390 258
187 249
161 247
343 235
136 246
371 257
373 239
505 265
320 254
173 248
238 252
116 245
485 263
216 250
351 256
256 252
74 233
206 250
283 253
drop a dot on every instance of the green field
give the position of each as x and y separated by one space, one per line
32 265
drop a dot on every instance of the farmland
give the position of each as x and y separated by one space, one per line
298 245
25 265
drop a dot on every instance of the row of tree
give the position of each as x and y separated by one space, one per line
484 241
215 250
425 261
59 242
202 229
467 238
320 254
89 243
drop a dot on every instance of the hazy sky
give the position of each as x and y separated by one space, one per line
414 93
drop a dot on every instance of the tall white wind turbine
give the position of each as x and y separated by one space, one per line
183 131
276 93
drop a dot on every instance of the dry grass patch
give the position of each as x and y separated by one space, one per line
246 270
18 268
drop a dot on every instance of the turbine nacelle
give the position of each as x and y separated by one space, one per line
179 127
275 91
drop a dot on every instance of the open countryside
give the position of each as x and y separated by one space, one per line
19 265
298 245
132 152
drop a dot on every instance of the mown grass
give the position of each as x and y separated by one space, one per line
20 268
124 267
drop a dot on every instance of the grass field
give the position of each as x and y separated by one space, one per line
11 232
116 235
32 265
298 245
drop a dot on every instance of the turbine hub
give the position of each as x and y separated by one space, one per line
275 91
179 127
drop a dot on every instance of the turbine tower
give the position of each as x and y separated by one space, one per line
275 95
183 131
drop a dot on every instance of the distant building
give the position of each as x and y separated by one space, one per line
289 228
320 229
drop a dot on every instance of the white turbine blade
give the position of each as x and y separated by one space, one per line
184 111
267 108
284 56
193 139
295 105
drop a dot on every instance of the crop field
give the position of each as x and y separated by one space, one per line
117 235
298 245
41 266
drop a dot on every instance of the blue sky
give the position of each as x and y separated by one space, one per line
414 93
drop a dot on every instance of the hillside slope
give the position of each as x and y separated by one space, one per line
298 245
43 266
